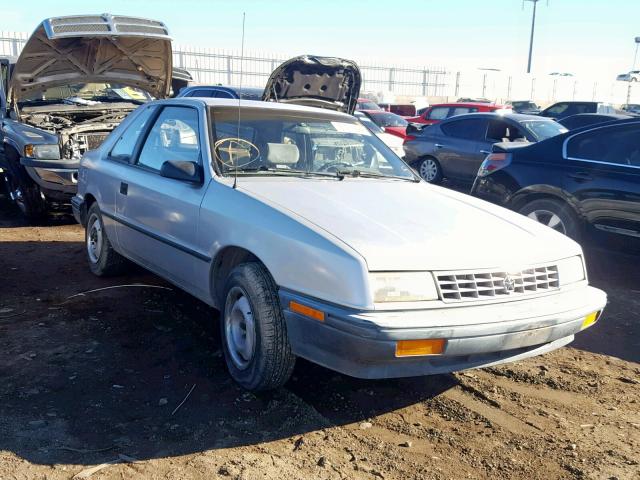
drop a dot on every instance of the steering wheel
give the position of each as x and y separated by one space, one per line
333 166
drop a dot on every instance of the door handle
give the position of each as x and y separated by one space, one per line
124 188
437 145
581 176
486 152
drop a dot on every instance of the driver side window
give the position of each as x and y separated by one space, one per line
174 136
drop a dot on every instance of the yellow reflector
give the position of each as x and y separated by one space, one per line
306 311
28 150
589 320
409 348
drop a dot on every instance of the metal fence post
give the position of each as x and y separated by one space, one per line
484 84
509 87
533 87
228 69
457 90
424 83
391 75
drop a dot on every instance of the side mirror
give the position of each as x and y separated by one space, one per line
181 170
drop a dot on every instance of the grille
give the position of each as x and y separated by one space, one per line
81 28
94 140
126 28
461 286
85 19
137 21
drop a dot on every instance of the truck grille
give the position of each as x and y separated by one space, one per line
461 286
94 140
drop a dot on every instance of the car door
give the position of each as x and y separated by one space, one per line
459 152
435 115
603 174
160 214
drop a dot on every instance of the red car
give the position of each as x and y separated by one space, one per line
437 113
366 104
389 122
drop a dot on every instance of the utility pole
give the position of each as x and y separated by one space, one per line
533 26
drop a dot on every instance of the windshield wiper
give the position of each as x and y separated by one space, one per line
283 171
354 172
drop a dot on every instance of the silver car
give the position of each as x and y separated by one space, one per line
314 240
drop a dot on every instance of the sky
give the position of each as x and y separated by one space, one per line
583 37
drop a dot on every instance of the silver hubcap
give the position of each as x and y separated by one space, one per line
428 169
239 328
549 219
94 238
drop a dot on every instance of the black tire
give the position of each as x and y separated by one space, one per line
103 260
270 361
23 191
430 170
543 210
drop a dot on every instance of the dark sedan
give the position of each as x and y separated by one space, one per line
584 183
455 148
585 119
221 91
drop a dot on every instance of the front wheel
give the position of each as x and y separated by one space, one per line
430 170
554 214
254 334
103 259
26 195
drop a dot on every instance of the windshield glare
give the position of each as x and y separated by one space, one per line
388 119
543 129
85 93
299 144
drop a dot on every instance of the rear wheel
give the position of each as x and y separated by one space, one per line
430 170
103 259
255 342
554 214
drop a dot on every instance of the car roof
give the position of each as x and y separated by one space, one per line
615 116
234 102
467 104
518 117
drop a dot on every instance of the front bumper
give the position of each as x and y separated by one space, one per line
60 176
363 344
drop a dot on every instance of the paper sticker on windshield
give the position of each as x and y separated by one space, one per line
348 127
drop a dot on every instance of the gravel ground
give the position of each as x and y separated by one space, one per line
96 381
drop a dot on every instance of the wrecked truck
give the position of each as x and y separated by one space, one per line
75 80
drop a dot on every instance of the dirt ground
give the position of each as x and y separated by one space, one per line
98 378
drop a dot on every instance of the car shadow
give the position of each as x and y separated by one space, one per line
138 370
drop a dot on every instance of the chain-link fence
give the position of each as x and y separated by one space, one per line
387 81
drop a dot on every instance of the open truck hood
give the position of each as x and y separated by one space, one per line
325 82
94 48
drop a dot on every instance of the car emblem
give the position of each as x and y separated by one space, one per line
509 284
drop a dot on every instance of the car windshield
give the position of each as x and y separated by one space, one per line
281 142
251 93
367 122
367 105
388 119
87 93
524 105
543 129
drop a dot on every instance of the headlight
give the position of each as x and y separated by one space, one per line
571 270
42 152
402 287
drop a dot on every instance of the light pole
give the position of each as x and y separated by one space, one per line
633 67
533 26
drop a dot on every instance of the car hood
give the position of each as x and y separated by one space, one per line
325 82
398 225
94 48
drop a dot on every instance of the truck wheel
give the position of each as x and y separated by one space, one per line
26 194
553 214
254 333
103 259
430 170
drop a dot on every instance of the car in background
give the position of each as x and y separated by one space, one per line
394 142
390 122
180 79
367 104
561 110
456 147
632 76
221 91
585 119
402 109
631 108
56 105
441 111
584 183
524 106
561 74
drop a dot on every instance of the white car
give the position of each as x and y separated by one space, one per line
632 76
394 142
314 240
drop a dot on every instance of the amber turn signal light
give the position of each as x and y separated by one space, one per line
590 320
413 348
306 311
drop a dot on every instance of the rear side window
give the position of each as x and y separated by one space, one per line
469 129
124 147
221 94
616 145
438 113
557 109
200 92
174 136
462 111
501 131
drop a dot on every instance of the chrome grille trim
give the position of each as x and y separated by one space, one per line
477 285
